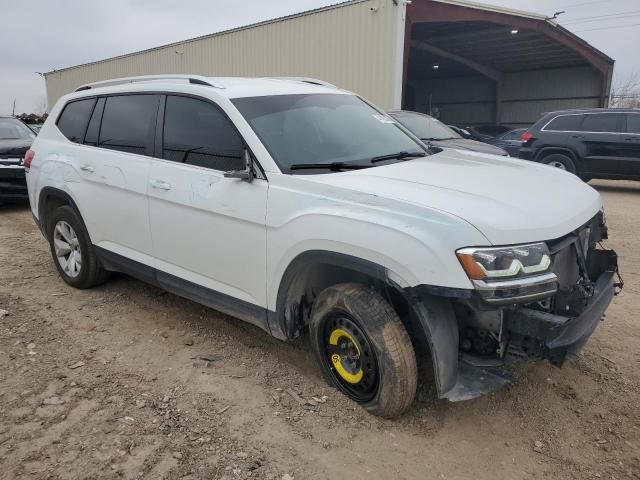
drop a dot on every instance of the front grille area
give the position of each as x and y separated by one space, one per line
570 263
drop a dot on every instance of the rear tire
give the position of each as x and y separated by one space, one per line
72 251
560 161
364 349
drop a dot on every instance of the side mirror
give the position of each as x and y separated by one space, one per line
247 173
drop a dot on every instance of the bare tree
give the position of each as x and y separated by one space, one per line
625 92
41 105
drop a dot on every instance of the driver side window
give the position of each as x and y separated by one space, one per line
198 133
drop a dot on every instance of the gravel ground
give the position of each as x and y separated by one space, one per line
127 381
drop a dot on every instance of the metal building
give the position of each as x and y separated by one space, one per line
476 63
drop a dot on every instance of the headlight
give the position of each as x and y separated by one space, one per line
504 263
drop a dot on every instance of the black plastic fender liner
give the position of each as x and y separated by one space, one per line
438 321
280 321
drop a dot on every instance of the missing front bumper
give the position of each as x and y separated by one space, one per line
529 332
538 334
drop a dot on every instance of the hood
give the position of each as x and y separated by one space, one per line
14 148
468 144
509 201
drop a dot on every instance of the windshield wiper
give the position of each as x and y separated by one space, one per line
333 166
438 139
398 156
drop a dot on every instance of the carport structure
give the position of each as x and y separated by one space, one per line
477 64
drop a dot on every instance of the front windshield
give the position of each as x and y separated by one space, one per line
12 129
424 126
305 129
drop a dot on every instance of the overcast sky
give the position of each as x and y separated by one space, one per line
42 35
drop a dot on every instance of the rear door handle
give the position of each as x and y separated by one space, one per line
578 136
160 185
87 168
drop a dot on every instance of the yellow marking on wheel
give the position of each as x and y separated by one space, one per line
336 360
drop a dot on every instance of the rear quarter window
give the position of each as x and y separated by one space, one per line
564 123
74 118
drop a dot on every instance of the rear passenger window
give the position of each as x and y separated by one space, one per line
602 122
74 118
565 123
633 123
198 133
128 123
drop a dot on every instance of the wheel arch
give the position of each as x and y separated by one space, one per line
432 328
49 199
307 275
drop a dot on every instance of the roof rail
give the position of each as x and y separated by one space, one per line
193 79
313 81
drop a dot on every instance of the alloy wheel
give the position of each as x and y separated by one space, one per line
559 165
67 248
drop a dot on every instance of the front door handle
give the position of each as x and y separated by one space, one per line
87 168
160 185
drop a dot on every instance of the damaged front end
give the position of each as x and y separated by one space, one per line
546 314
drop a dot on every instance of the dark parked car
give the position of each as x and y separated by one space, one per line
595 143
15 140
437 134
485 133
510 141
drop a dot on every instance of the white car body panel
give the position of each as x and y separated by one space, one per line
210 227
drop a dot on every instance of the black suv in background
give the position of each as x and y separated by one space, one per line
595 143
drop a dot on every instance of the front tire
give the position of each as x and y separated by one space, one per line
72 251
363 348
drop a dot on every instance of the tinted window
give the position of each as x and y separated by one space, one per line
565 123
91 138
128 123
514 134
323 128
602 122
73 121
424 126
198 133
633 122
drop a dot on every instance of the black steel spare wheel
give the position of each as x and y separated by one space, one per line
350 357
363 348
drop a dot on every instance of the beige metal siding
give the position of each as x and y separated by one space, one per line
350 45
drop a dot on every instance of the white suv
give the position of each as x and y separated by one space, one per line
297 206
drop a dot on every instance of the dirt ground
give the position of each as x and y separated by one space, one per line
111 383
